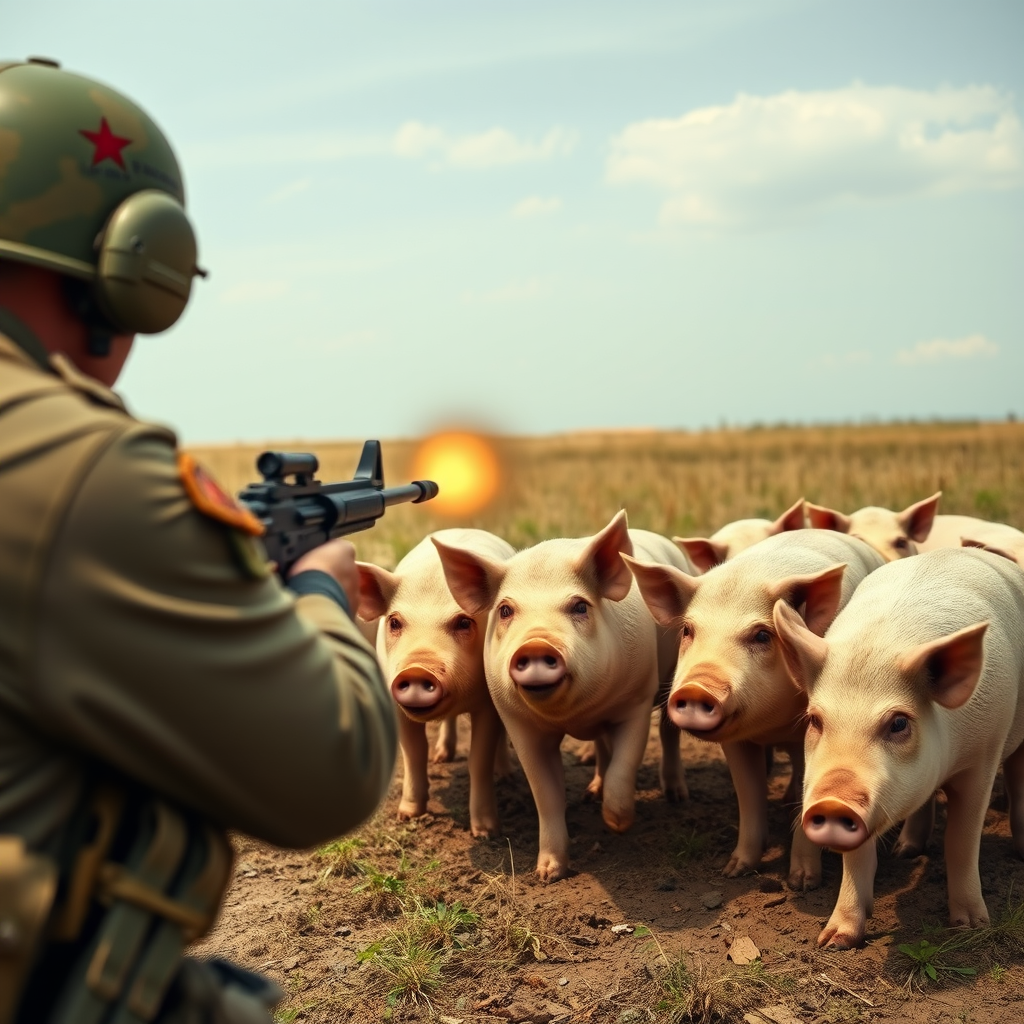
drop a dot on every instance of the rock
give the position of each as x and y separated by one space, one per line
343 932
711 900
775 901
743 951
622 929
563 982
666 885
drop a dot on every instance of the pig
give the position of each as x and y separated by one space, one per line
892 534
968 532
431 653
731 539
917 685
731 685
571 649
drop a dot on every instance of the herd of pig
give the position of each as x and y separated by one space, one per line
885 677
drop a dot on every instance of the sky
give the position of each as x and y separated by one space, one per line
539 217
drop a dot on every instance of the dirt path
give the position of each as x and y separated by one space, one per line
547 953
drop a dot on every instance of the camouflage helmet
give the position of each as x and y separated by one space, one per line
89 187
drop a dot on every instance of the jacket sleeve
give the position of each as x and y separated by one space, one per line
159 653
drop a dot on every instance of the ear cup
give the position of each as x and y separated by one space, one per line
147 259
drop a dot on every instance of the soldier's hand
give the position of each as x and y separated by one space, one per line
337 558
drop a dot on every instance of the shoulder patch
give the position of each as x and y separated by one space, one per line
212 500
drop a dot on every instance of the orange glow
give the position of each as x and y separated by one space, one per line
465 467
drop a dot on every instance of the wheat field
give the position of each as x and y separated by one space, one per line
688 483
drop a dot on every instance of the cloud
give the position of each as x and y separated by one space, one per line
536 206
939 349
516 291
764 158
494 148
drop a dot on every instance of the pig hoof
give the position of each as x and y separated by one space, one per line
675 791
907 850
617 821
551 870
837 937
411 810
481 830
740 866
969 919
587 753
443 754
595 787
802 880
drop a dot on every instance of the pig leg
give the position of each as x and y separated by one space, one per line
795 790
602 755
487 733
502 757
628 740
673 779
966 804
1013 776
748 769
587 753
916 831
444 748
540 755
849 921
413 738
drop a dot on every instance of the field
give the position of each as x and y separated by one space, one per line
417 920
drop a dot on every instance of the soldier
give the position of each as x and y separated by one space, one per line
157 684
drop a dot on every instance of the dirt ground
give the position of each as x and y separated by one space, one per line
304 919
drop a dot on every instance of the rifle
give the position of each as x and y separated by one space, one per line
300 515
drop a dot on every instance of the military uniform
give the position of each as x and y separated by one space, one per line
135 635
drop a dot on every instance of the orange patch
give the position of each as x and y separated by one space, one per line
212 500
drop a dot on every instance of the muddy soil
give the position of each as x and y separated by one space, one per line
303 922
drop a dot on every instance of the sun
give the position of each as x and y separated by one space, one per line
465 467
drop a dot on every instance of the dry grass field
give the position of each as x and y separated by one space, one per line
419 921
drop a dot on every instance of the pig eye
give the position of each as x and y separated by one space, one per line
578 607
462 623
814 723
900 544
686 629
394 623
505 611
762 636
899 727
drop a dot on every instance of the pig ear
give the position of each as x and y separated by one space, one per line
917 519
803 652
791 519
665 589
827 519
705 554
967 542
820 594
952 664
602 559
472 579
377 587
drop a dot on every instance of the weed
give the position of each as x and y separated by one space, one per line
691 995
997 972
412 968
929 960
690 846
339 857
385 890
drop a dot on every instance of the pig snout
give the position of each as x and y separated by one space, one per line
695 709
537 665
417 689
835 824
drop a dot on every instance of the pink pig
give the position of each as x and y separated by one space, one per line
892 534
918 684
571 649
431 651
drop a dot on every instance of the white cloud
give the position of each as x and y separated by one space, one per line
942 348
516 291
770 157
536 206
492 148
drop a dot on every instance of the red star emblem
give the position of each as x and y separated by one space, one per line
108 145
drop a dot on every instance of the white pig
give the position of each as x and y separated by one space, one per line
731 539
731 685
431 652
571 649
892 534
968 532
918 684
